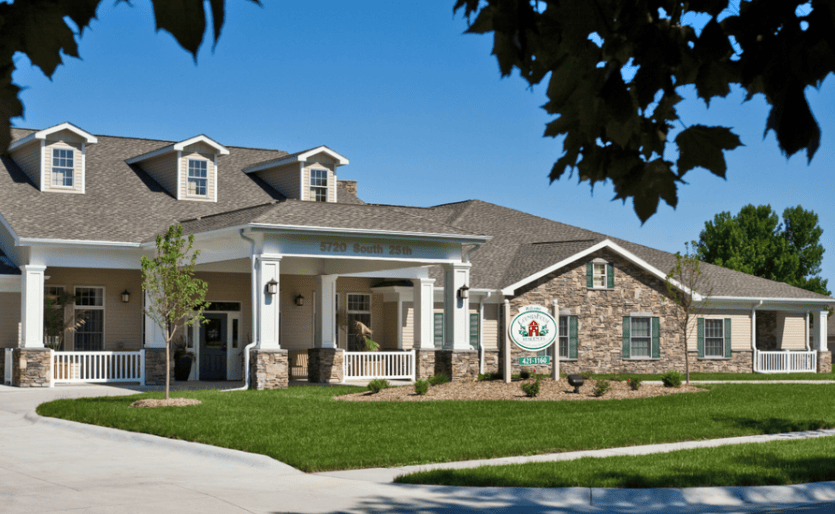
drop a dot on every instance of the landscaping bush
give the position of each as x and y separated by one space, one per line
531 389
421 387
586 375
634 383
524 374
438 379
488 376
378 384
601 387
672 379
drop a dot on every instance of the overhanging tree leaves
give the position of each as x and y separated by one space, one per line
616 129
37 29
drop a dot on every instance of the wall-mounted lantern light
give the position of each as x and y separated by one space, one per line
299 301
272 287
464 292
125 296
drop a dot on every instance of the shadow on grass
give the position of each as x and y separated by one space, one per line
773 425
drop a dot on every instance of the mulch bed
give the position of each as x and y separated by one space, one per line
171 402
498 390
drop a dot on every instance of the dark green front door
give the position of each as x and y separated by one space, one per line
213 347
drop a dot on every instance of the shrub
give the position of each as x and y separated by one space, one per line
438 379
421 387
634 383
601 387
378 384
672 379
524 374
488 376
586 375
531 389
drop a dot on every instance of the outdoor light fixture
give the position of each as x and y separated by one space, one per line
125 296
272 287
576 381
464 292
299 301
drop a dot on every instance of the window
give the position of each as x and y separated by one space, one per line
714 338
62 167
53 316
600 275
198 177
438 329
474 330
563 337
359 309
319 185
89 307
641 331
641 337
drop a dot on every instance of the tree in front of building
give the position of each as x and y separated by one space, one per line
688 288
756 242
56 323
175 298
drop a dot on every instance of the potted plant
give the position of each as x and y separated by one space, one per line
373 366
183 359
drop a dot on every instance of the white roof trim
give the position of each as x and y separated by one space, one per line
178 147
749 299
37 241
302 157
607 243
42 134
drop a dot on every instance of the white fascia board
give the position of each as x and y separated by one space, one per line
222 150
341 160
606 243
42 134
150 155
76 243
296 229
10 230
749 299
302 157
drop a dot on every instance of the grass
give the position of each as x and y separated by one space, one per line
306 428
774 463
752 377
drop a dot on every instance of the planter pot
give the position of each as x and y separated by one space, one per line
182 368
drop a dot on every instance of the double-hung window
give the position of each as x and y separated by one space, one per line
62 167
198 177
641 331
563 337
641 337
318 185
89 310
714 338
359 309
600 275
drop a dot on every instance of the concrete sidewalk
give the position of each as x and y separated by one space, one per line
49 465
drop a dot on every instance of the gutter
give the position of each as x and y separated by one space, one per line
254 299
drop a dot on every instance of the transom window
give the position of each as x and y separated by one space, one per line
319 185
62 167
714 338
198 177
564 336
359 309
640 337
599 277
89 307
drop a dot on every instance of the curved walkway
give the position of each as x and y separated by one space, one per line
49 465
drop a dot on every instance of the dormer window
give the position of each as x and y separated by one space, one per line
318 185
198 177
62 167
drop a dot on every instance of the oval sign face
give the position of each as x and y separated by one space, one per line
533 329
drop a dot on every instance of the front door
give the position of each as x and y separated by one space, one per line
213 347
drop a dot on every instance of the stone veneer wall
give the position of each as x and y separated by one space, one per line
491 361
767 331
324 365
268 369
458 365
155 366
31 367
824 362
427 364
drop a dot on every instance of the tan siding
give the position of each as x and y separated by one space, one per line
490 327
163 169
408 325
740 329
378 320
791 331
286 179
67 135
306 184
28 158
390 325
296 322
77 180
9 320
190 153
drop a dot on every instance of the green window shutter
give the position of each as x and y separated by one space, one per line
656 338
610 274
474 330
727 338
589 275
626 337
700 334
572 337
439 330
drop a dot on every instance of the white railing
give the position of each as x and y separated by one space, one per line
7 366
75 367
787 362
389 365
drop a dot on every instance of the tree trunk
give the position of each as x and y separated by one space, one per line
167 367
686 361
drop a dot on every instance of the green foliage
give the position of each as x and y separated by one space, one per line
56 323
634 383
756 242
378 384
601 387
524 374
672 379
586 374
531 389
618 70
370 345
421 387
438 379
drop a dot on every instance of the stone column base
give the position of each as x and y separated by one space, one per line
492 361
824 362
31 367
268 369
324 365
155 367
460 365
425 362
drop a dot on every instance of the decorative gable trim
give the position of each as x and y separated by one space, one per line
179 147
42 135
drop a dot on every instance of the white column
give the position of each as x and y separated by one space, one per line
424 305
456 309
820 332
31 306
154 338
269 268
325 318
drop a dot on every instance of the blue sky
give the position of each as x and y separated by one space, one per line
418 107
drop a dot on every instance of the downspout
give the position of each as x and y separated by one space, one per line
254 300
754 335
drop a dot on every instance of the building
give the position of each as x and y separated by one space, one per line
293 257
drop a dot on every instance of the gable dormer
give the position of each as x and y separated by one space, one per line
308 175
54 158
188 169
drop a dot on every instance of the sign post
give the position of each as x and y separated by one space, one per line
506 367
555 369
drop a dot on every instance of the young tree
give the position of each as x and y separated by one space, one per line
56 323
175 297
689 289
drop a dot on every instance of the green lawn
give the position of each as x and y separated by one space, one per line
306 428
775 463
726 376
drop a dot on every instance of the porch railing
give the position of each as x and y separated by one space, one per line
368 365
787 362
7 366
75 367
